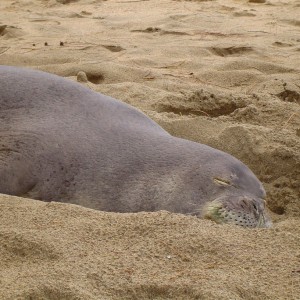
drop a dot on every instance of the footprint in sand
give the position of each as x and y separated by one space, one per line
232 50
8 32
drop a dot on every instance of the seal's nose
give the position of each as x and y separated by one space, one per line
252 205
256 208
249 204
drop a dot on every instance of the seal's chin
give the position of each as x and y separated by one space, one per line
247 214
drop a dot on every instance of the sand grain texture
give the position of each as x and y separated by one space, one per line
60 251
225 73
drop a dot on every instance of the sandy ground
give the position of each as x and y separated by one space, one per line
225 73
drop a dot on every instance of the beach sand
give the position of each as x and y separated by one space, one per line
224 73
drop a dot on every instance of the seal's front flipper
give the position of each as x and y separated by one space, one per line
16 177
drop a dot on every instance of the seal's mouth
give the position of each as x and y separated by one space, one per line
244 215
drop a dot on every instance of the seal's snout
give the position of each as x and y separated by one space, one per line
243 211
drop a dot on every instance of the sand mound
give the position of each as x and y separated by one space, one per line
225 73
61 251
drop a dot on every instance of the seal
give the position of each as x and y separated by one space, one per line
60 141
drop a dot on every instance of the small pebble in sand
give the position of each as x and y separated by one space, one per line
46 44
81 77
61 43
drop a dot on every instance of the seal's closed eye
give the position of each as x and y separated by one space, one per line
221 181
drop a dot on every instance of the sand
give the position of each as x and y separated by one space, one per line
225 73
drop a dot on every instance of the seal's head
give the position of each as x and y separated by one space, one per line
238 198
240 210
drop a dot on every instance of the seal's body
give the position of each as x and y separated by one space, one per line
60 141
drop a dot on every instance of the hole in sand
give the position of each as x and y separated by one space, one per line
289 96
278 210
66 1
233 50
2 29
113 48
147 30
95 78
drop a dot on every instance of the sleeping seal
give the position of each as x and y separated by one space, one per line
63 142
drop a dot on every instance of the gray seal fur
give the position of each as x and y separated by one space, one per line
60 141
